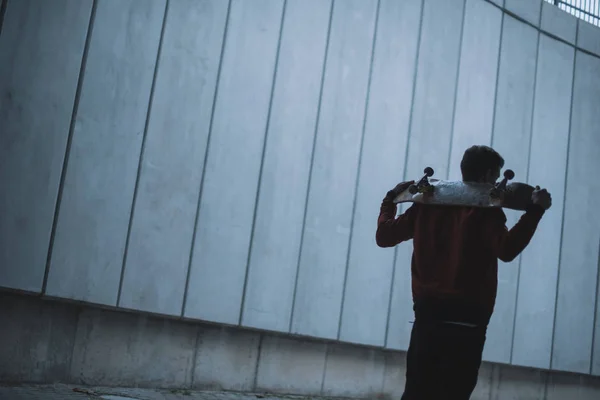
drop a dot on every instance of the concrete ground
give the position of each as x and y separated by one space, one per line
78 392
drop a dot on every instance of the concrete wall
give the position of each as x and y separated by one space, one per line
586 10
225 160
69 343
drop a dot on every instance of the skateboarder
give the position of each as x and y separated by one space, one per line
454 277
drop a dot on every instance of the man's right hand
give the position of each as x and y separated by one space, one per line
401 187
542 198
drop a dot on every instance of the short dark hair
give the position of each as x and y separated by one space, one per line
477 161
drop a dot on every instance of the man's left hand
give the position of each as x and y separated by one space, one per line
401 187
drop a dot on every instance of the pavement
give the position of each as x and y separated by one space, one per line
78 392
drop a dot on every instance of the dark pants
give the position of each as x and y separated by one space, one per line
443 360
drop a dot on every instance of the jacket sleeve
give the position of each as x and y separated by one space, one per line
392 230
508 244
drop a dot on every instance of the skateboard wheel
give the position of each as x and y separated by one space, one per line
412 189
509 174
428 171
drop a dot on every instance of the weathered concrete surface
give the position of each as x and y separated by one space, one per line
116 348
240 115
394 377
285 176
162 225
41 48
99 180
518 383
36 339
303 360
354 371
587 37
559 23
226 359
330 204
529 10
47 341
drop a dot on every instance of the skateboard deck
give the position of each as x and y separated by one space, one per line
515 195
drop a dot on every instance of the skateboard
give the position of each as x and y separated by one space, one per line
514 195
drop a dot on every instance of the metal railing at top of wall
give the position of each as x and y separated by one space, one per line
587 10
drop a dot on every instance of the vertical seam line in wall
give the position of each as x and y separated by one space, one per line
312 159
195 357
262 163
142 150
386 355
564 206
358 167
204 162
3 7
456 86
69 142
404 174
595 313
491 381
547 380
259 350
527 172
498 65
324 375
78 311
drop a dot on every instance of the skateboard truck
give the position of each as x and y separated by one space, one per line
423 185
498 191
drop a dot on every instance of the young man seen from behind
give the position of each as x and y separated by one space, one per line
454 272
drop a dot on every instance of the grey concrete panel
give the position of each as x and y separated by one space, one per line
291 366
226 359
588 37
41 48
36 339
352 371
548 161
224 227
333 177
173 157
519 383
511 136
429 143
284 183
581 231
476 88
498 2
514 97
529 10
394 379
488 376
102 167
596 344
116 348
559 23
572 387
367 292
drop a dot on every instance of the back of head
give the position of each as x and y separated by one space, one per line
478 161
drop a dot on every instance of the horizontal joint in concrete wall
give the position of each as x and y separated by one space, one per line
553 22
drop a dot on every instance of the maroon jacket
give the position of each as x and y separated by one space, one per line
456 249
